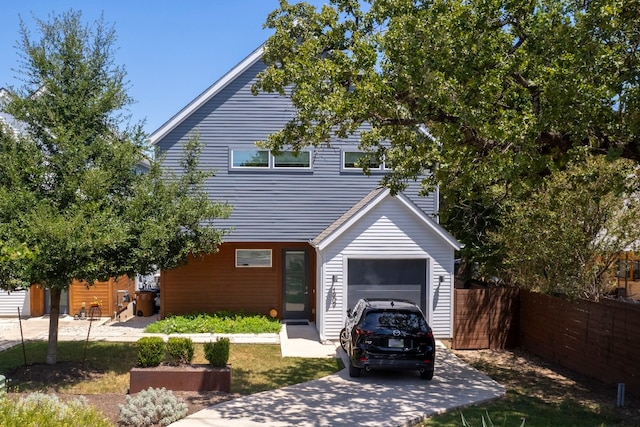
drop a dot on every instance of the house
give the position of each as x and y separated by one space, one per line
309 234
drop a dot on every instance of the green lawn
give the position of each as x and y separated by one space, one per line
542 394
256 367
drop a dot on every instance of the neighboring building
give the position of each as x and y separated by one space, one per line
309 234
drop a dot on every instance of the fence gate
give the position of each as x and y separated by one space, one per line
485 318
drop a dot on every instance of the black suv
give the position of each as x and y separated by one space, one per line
388 334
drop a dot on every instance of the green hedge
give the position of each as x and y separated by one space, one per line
150 351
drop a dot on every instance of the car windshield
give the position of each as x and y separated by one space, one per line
400 320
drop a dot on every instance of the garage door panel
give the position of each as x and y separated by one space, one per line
408 292
387 278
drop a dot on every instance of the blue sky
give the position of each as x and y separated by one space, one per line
172 50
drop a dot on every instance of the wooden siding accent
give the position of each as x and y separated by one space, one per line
600 339
36 297
485 318
106 292
213 283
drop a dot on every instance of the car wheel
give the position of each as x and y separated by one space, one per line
353 371
426 375
344 338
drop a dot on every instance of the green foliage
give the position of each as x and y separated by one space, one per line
508 92
152 407
219 323
39 409
71 190
256 367
566 237
217 353
150 351
179 350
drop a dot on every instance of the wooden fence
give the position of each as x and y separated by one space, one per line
485 318
601 339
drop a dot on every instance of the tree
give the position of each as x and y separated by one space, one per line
509 91
567 237
70 186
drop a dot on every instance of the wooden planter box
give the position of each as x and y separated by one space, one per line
187 377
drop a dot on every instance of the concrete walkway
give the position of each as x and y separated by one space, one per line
376 399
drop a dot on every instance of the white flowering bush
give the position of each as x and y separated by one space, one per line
150 407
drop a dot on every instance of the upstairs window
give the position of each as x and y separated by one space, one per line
289 159
264 159
249 158
352 160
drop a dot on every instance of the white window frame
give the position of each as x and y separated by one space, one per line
344 167
271 163
231 159
307 152
247 258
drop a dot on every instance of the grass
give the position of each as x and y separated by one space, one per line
510 410
256 367
537 393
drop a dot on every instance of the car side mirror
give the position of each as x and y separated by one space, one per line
349 312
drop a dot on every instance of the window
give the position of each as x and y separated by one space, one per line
263 159
253 257
250 158
289 159
353 159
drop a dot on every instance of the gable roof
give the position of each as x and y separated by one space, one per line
205 96
364 206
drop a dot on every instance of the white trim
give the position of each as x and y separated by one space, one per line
429 222
249 265
205 96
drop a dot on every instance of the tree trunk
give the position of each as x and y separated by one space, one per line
54 313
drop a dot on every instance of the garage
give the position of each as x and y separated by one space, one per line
387 278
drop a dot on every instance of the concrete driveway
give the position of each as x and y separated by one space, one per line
376 399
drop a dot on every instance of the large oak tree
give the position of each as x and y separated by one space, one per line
488 95
71 183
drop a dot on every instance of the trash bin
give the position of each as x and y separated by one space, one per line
145 303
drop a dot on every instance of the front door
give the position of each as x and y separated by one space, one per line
295 284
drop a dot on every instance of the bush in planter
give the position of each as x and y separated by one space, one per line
179 350
150 351
217 353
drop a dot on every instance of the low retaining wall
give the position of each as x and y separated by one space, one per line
188 377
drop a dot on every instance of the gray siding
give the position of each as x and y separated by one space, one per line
270 205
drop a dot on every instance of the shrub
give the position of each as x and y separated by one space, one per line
150 407
39 409
218 323
217 353
150 351
179 350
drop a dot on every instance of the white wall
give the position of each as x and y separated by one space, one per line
389 230
9 301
